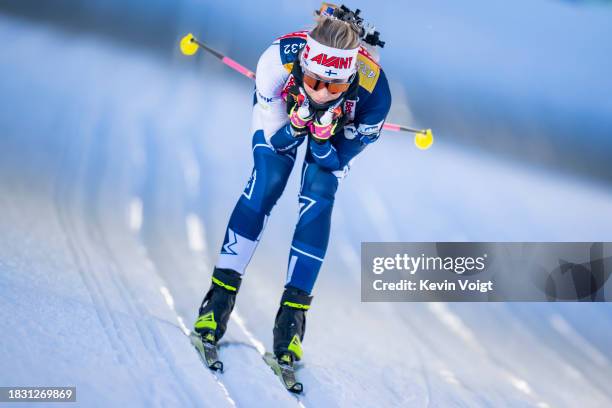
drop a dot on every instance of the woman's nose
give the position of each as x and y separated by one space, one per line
323 93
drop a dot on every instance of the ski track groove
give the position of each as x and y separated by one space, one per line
595 384
419 355
65 197
105 321
83 265
80 260
502 368
150 336
149 177
218 380
420 345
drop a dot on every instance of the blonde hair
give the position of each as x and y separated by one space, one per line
336 33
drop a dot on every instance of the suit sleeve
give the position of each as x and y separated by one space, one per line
371 116
269 112
366 129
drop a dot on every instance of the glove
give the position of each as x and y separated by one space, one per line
325 125
300 113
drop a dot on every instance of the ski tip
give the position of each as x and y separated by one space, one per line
217 366
297 388
290 384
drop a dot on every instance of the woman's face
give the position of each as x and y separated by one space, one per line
322 95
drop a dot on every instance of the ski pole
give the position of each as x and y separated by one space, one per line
190 45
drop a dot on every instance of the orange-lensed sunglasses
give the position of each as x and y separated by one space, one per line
318 83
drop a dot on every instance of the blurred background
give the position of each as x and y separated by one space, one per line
121 160
529 81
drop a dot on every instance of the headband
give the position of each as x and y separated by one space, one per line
328 62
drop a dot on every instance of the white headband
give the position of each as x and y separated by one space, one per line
328 62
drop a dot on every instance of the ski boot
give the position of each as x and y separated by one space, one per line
289 329
290 325
214 314
218 304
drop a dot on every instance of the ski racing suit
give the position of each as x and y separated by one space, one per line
274 152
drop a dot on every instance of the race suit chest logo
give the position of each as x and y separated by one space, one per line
370 130
290 82
365 70
349 109
263 98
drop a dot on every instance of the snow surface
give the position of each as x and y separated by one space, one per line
118 172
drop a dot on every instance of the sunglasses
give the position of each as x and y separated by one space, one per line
317 83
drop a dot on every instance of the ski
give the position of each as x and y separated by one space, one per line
207 352
285 372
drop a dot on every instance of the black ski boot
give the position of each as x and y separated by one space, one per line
218 305
290 325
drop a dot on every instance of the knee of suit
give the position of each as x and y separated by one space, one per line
272 188
319 182
267 181
256 202
262 192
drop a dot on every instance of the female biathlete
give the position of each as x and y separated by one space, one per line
324 89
